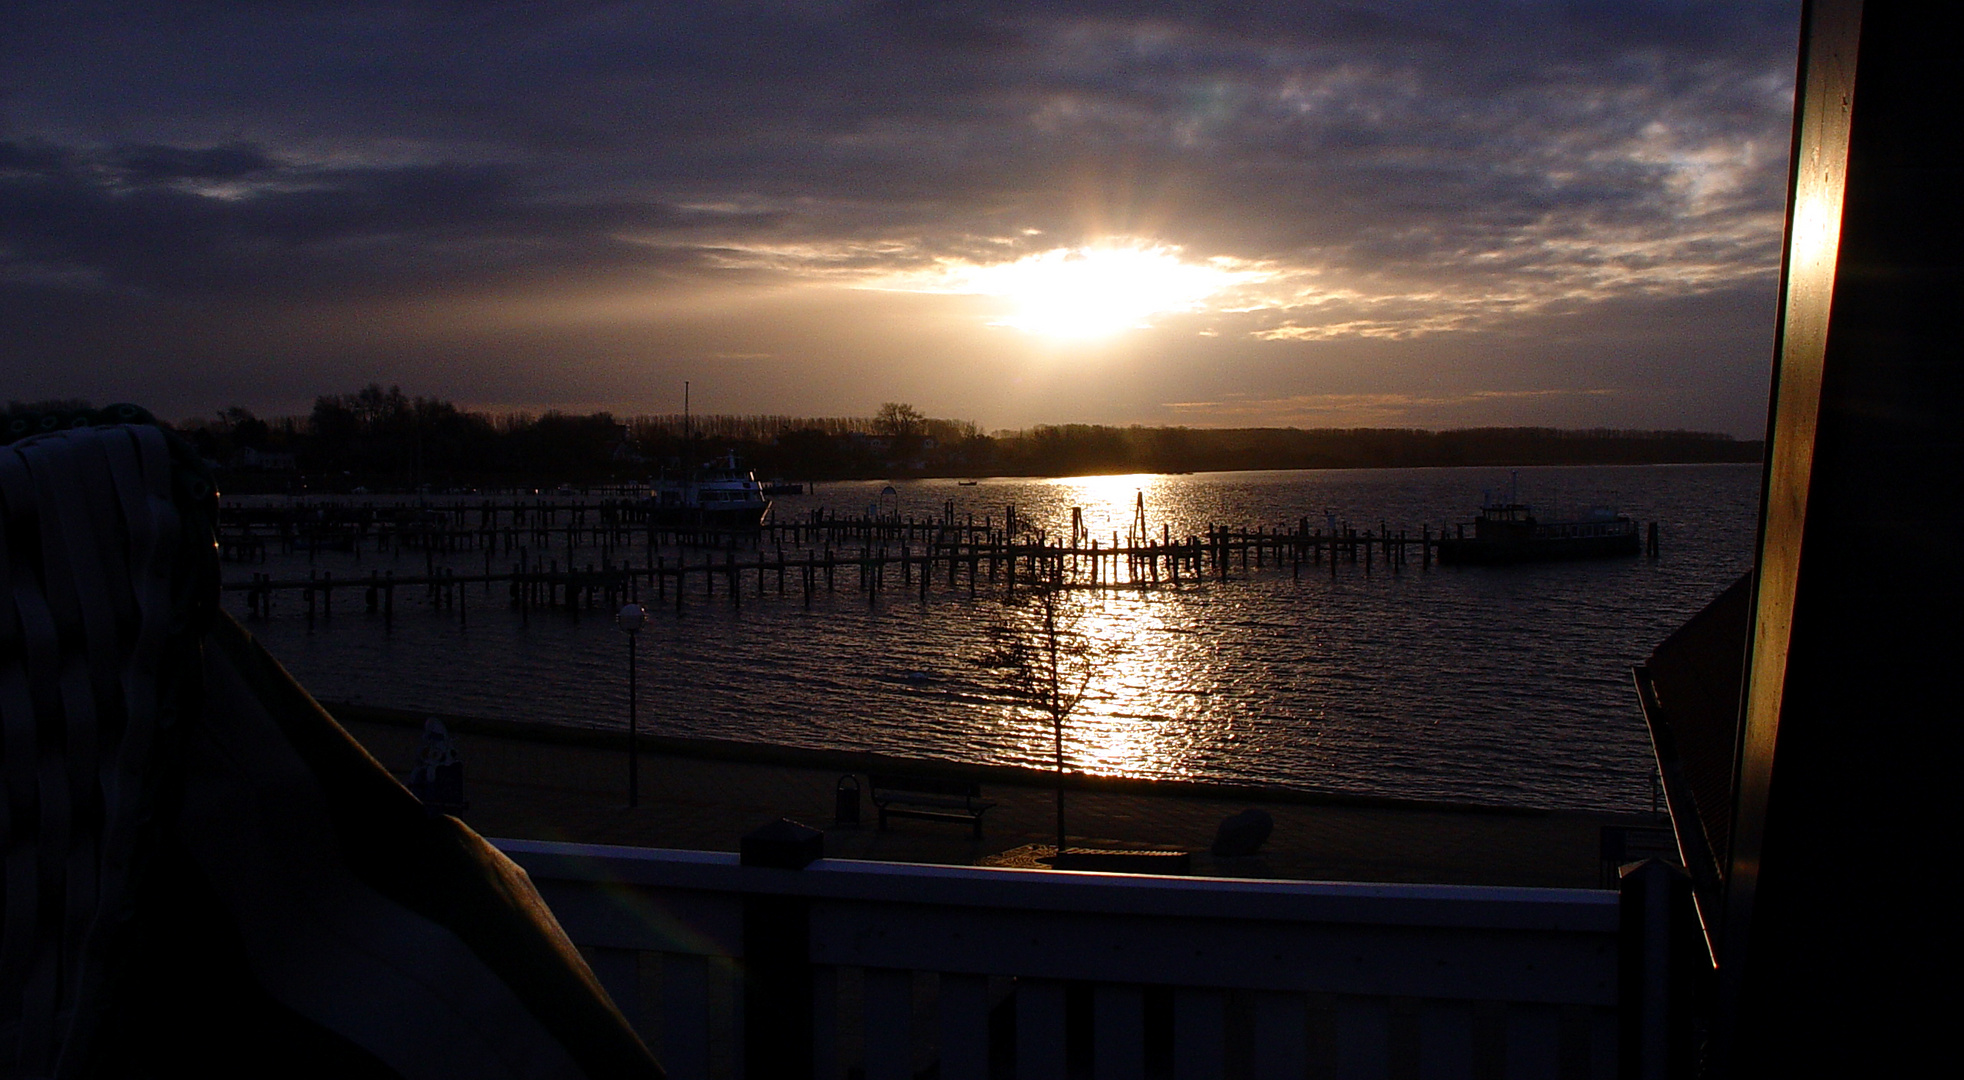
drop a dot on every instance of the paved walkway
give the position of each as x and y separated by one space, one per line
565 787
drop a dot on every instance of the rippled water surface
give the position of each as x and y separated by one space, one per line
1489 684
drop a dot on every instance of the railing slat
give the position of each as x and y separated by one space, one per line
1363 1038
726 1017
825 1024
1039 1029
1280 1045
1533 1042
1199 1034
889 1024
964 1008
1118 1026
684 1049
1602 1044
1445 1041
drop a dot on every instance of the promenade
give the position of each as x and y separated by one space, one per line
557 783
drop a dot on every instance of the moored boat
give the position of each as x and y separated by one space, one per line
1509 532
721 494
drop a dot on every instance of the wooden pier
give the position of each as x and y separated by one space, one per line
547 556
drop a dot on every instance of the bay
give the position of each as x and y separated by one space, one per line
1501 685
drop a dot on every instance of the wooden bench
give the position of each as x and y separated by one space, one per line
929 798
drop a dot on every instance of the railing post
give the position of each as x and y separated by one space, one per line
1662 967
777 967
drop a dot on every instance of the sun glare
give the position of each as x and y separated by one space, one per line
1095 291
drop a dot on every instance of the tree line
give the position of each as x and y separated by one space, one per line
382 438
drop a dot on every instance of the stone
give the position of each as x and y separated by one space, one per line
784 844
1242 834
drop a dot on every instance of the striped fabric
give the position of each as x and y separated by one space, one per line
201 872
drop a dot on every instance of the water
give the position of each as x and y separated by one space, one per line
1506 685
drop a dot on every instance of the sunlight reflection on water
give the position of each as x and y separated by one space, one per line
1503 685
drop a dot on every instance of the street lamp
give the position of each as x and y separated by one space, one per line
631 618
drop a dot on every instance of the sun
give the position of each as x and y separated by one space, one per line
1090 291
1098 290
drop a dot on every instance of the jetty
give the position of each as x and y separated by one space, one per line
551 554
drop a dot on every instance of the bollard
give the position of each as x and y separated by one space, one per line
845 801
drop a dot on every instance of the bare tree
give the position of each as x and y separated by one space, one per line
898 420
1046 655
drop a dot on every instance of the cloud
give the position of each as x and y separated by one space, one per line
234 222
1311 410
154 164
1400 172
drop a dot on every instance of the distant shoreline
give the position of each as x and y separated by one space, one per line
810 456
874 477
229 485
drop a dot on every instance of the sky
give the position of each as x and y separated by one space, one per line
1233 214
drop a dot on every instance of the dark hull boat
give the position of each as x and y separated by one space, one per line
1509 533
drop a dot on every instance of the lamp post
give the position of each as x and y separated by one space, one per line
631 618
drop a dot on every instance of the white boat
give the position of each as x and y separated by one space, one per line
721 494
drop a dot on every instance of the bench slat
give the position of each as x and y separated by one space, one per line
929 798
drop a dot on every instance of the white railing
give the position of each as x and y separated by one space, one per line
991 973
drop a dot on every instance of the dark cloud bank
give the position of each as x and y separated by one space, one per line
532 204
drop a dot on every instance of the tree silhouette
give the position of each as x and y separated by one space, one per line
1046 655
899 420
